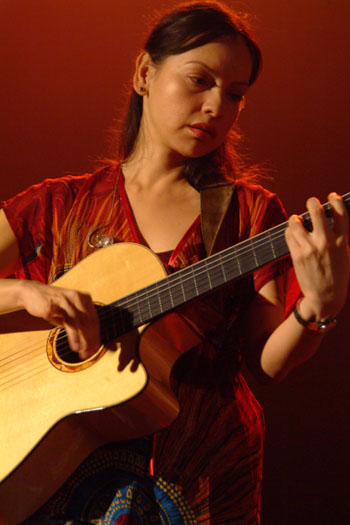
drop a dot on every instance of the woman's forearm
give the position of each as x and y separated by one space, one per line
288 346
11 295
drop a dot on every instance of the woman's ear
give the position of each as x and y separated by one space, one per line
240 107
143 73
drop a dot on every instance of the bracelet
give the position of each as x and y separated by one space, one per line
320 327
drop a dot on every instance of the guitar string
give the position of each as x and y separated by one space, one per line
16 355
9 381
252 244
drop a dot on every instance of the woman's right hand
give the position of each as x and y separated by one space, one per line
69 309
74 311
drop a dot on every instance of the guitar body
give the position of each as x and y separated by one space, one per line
54 413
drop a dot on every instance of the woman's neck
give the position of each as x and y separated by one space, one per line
163 204
149 168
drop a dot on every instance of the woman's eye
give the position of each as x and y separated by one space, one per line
199 81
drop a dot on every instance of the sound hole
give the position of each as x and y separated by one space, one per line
63 358
63 350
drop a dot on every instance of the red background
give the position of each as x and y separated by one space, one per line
64 70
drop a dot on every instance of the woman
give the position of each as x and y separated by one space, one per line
180 190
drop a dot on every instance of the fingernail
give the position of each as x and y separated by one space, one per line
76 346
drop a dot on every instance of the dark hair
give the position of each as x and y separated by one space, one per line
186 27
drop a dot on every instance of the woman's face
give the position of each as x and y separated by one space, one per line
193 99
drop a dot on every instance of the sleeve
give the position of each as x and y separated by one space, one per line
34 215
261 210
274 215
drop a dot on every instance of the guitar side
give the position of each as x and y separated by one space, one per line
53 419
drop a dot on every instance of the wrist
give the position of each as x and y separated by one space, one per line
305 310
12 293
22 292
19 292
304 315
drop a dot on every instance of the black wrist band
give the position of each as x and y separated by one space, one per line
316 327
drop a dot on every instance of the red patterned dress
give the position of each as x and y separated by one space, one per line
207 466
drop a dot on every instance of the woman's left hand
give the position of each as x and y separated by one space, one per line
321 259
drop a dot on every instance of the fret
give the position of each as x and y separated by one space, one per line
188 285
204 282
139 314
216 273
281 246
210 284
266 252
239 266
148 306
231 267
165 296
272 246
194 281
159 300
171 296
254 254
183 291
247 260
135 309
223 270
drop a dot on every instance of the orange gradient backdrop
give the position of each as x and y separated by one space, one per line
65 68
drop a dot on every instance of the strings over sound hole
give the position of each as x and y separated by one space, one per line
63 350
63 358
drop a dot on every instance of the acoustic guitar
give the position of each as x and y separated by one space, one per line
55 409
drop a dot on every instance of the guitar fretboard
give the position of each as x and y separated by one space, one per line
163 296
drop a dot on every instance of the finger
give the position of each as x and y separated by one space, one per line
291 240
297 230
340 215
89 327
64 310
58 316
298 241
74 339
318 218
83 325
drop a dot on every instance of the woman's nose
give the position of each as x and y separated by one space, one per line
214 102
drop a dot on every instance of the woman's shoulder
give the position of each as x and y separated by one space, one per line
77 182
68 186
57 194
258 207
254 195
253 190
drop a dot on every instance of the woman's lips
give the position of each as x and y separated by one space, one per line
202 131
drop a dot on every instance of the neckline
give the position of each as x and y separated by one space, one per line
134 229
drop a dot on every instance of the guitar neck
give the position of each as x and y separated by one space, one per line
207 275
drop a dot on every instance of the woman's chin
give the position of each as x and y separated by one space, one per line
199 150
